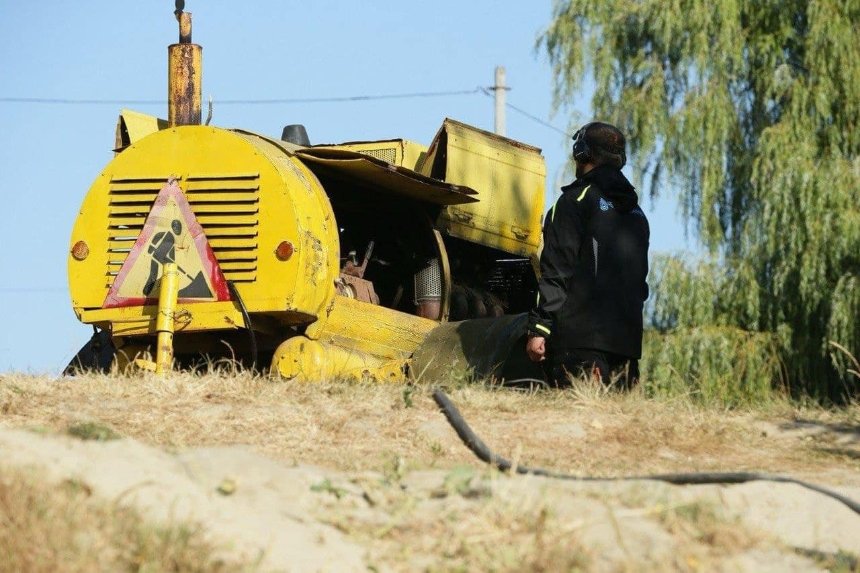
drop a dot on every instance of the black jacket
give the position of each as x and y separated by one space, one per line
594 267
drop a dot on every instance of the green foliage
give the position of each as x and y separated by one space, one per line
408 390
325 486
702 343
463 481
717 365
92 431
690 294
751 110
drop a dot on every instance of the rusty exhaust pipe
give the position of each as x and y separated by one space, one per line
184 76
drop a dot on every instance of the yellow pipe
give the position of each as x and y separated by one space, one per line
184 77
167 296
305 360
184 27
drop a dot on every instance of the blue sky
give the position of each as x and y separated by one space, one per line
117 50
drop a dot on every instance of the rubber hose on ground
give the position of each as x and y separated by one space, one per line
480 449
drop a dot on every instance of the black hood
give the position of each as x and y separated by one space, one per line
613 186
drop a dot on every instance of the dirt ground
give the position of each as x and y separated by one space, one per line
357 477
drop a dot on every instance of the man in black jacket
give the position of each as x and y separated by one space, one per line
594 264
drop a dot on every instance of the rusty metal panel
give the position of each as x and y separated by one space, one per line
510 179
382 176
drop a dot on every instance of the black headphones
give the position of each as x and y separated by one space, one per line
581 151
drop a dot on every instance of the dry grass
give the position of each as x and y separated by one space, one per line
482 521
353 427
478 529
61 529
458 516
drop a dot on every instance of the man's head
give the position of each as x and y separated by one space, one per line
598 143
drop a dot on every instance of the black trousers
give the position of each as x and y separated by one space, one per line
609 368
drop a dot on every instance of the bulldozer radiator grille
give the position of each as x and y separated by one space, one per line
227 207
388 154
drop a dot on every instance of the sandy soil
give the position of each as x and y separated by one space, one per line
351 478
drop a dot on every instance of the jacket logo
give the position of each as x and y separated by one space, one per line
606 205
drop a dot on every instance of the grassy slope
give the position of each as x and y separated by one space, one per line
364 426
395 431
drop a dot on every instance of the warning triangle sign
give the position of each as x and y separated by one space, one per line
171 234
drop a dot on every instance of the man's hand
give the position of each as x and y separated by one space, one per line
536 348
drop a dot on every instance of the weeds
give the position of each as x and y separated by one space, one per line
61 529
325 486
92 431
408 390
839 562
465 482
852 393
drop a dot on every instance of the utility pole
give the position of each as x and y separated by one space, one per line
499 89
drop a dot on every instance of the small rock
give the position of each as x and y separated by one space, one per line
227 486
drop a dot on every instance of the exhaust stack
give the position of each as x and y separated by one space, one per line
184 76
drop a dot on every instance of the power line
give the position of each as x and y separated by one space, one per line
333 99
282 101
354 98
65 101
539 120
523 112
32 290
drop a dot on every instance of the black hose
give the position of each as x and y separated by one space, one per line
480 449
234 292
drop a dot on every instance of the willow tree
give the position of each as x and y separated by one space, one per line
752 111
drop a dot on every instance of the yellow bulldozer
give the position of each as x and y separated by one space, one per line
371 259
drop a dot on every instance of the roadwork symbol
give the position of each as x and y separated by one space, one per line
171 234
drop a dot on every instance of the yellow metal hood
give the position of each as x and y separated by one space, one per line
510 177
383 176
